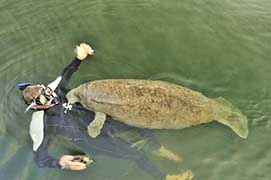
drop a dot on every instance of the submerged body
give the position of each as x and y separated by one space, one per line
156 104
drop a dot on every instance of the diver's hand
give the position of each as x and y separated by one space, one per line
74 163
83 50
87 48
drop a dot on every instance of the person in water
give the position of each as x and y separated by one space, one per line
54 115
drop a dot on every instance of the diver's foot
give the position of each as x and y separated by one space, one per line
187 175
166 153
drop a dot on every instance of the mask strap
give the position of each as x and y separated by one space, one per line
22 86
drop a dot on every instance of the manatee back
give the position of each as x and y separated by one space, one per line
146 103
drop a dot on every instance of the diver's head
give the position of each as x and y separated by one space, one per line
38 96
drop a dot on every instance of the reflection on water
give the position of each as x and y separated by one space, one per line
220 48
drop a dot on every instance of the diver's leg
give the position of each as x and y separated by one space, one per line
148 140
150 137
119 148
112 127
157 148
122 149
115 127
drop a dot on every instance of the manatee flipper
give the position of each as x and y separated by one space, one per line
94 128
229 115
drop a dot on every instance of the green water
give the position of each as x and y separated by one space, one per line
220 48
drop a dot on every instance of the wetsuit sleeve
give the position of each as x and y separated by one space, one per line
43 159
68 71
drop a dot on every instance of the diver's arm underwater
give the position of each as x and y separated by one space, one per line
70 162
43 159
61 82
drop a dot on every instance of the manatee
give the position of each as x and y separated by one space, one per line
157 104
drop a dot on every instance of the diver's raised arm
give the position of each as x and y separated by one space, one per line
40 97
82 52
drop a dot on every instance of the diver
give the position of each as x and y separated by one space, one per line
53 115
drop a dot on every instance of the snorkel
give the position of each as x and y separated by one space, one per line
22 86
29 107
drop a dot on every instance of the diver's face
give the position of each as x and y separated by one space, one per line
44 98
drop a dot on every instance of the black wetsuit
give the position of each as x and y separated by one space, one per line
72 124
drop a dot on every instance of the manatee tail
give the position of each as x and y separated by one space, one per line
230 115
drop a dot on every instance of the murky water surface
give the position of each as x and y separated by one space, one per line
220 48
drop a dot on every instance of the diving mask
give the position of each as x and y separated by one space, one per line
45 96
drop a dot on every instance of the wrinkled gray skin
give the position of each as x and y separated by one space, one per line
156 104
